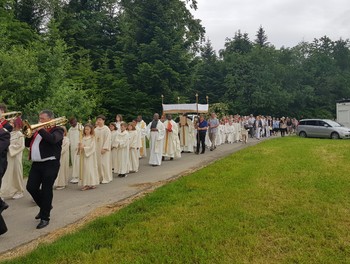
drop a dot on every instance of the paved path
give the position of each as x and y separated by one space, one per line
71 204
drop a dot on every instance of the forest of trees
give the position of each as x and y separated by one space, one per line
86 57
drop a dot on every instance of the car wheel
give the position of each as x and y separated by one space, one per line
335 135
302 134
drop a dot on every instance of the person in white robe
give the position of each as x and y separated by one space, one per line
85 165
178 144
207 141
218 140
222 132
170 139
103 150
237 128
142 127
113 128
155 134
121 144
187 134
118 121
63 174
12 181
230 130
74 135
133 148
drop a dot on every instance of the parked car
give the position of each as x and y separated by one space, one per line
322 128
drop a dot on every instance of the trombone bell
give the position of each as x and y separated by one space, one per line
28 129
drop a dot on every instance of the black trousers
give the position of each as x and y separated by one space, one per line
201 140
3 227
41 178
3 166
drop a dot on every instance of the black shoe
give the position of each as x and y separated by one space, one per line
163 158
196 152
171 158
38 216
202 152
42 224
3 206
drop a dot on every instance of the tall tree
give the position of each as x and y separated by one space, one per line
261 37
158 40
240 43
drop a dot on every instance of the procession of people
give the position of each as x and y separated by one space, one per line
98 153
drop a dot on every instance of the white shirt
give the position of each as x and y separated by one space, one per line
35 154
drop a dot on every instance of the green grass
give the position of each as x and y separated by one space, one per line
283 201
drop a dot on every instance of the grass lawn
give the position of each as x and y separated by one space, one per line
285 200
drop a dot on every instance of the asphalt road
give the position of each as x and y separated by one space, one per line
70 205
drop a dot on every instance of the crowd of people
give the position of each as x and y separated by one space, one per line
98 153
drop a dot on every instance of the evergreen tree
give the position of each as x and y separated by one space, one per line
261 38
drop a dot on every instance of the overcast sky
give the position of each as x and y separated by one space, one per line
286 22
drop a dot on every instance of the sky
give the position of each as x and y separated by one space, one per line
286 22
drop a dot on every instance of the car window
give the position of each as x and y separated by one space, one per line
311 122
333 123
302 123
322 123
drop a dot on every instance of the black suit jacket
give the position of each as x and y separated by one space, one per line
51 143
4 144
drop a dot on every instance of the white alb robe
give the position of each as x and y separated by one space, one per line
63 173
133 151
87 172
103 141
143 132
237 136
187 136
156 139
230 130
170 139
121 144
12 181
114 154
74 139
222 133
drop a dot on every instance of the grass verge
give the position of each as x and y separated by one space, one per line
283 201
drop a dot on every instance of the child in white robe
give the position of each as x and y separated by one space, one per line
230 129
121 144
87 172
133 148
114 129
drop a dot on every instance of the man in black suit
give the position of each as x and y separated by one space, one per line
4 143
45 152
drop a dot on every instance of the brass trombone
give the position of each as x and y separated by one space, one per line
28 129
10 115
